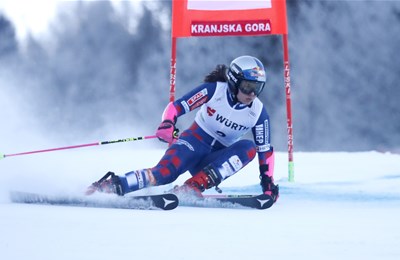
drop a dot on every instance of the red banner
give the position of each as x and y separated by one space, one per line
228 17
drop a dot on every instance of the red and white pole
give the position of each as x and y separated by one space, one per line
286 72
172 71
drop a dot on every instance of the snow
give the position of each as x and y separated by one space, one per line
341 206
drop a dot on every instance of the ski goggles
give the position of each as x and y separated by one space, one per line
247 87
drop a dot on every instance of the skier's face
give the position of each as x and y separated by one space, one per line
245 98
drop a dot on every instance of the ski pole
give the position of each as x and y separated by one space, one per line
80 146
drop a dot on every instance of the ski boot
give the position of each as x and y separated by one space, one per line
205 179
109 183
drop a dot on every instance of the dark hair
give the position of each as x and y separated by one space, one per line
218 74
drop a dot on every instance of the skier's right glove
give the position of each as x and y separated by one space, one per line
167 132
268 187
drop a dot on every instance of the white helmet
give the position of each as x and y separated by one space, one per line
246 73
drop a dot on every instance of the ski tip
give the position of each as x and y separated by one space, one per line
90 190
2 156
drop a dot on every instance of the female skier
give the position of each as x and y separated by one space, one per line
210 149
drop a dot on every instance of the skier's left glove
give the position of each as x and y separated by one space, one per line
268 187
167 132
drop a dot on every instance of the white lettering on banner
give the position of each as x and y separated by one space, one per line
255 27
209 28
213 5
216 28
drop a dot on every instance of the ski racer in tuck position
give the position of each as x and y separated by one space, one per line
211 149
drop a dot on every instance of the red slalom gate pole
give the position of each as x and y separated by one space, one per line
80 146
288 108
172 80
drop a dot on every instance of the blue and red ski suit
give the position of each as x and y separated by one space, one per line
214 139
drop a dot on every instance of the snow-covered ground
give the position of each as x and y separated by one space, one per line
341 206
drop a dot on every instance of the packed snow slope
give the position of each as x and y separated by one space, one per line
341 206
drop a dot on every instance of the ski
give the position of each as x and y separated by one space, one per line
167 201
262 201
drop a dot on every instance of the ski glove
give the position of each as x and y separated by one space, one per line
167 132
268 187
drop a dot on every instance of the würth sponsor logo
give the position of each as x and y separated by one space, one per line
230 124
260 27
225 121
